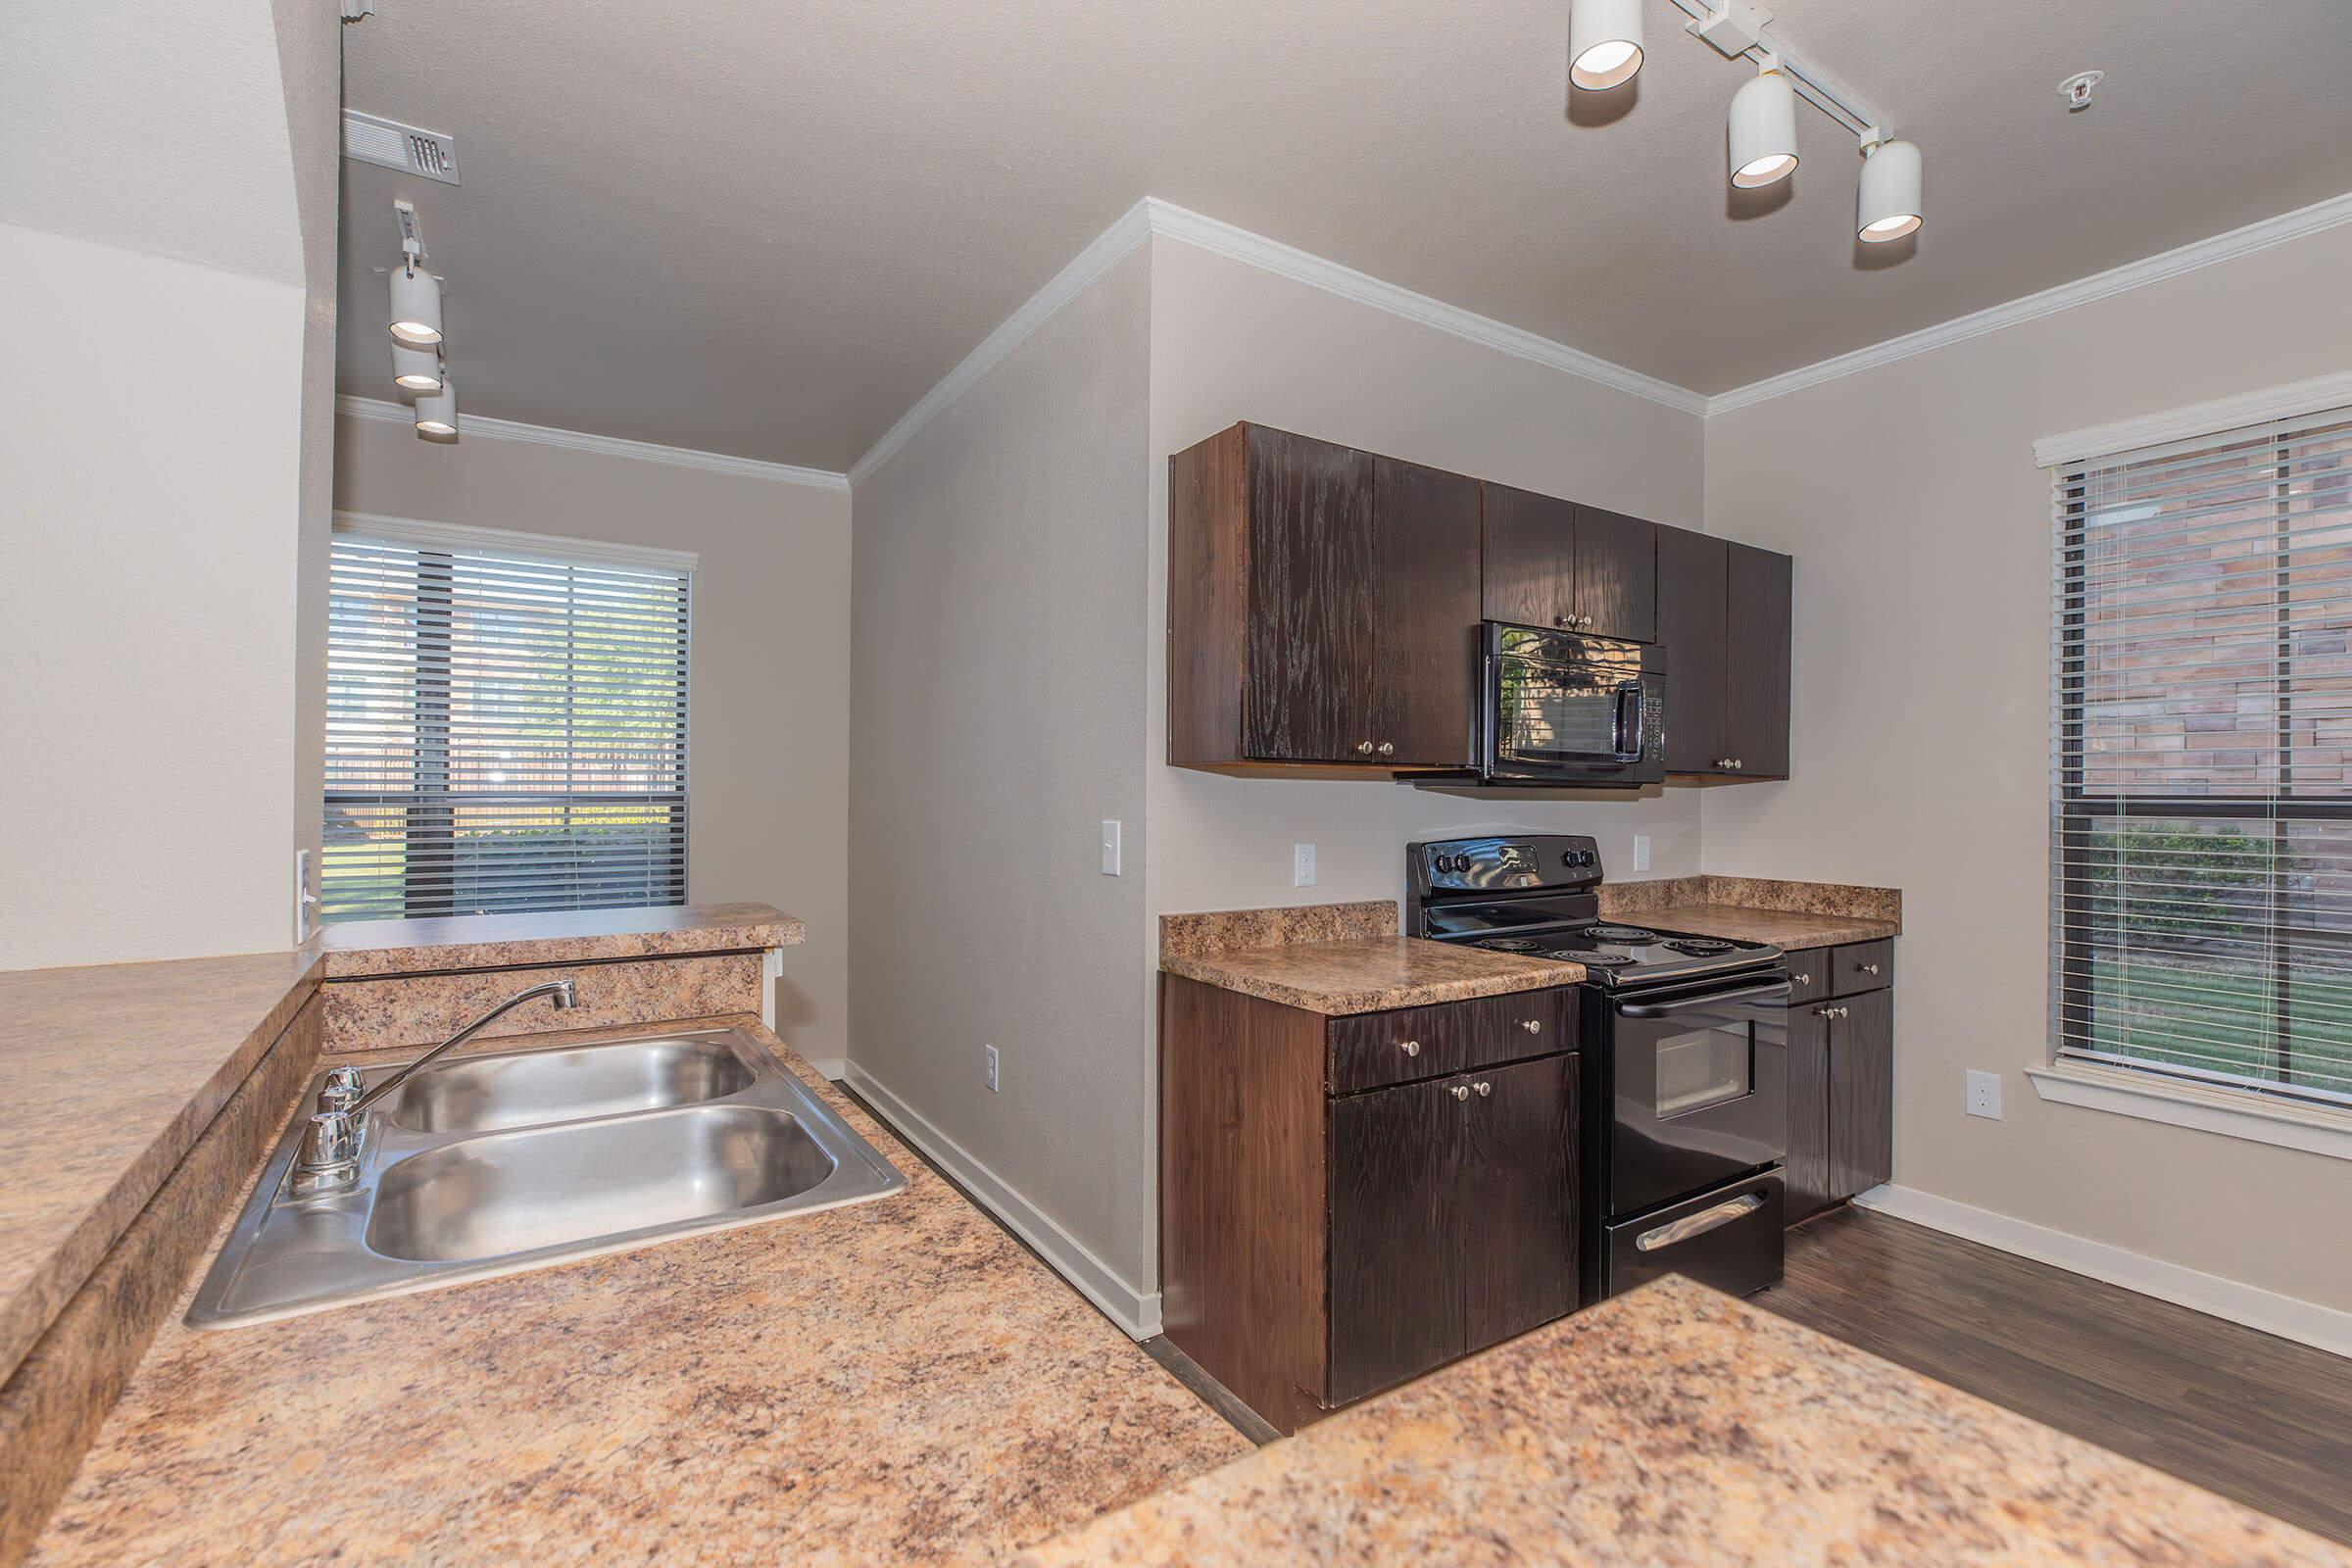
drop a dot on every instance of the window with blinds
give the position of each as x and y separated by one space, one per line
2202 759
506 726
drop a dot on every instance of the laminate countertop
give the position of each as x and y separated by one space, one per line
1674 1425
1792 931
895 1381
548 937
1371 975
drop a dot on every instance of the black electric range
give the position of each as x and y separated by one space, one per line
1683 1043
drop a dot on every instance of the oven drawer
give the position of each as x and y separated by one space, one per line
1862 966
1730 1238
1373 1050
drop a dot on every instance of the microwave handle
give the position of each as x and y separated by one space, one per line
1627 736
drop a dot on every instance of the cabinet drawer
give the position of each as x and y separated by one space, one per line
1862 966
1372 1050
1809 973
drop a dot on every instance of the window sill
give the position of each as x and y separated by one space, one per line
2230 1112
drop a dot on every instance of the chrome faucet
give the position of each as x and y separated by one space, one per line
330 1144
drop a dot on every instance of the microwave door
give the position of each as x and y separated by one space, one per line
1550 716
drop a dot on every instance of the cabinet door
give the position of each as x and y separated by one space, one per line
1616 569
1309 678
1530 558
1515 1198
1807 1166
1757 710
1861 1092
1425 632
1692 611
1396 1292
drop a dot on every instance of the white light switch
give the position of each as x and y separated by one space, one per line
1111 847
1303 866
1641 851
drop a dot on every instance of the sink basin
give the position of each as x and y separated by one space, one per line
527 1088
491 1164
521 1192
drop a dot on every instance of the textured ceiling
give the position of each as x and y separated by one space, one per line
768 228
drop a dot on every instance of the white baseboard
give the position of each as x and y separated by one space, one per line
1134 1310
2289 1317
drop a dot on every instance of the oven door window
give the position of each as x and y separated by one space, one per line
1700 1068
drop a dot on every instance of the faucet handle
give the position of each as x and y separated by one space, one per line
330 1152
342 1087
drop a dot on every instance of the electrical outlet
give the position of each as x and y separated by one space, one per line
1110 856
1641 851
993 1086
1985 1093
1303 866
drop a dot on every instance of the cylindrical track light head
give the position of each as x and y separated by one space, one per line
1604 43
416 370
1886 202
416 305
437 414
1761 132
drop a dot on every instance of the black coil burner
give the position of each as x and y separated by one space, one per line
1620 933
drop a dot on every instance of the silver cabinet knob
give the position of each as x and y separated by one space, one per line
1387 748
1484 1089
1803 979
1459 1090
1723 765
1411 1048
1534 1026
1564 622
1870 968
1365 747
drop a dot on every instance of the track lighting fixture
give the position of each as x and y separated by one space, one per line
416 305
1762 130
416 370
1604 43
1887 203
437 414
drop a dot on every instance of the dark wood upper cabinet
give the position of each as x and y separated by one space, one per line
1692 621
1756 714
1723 621
1322 607
1552 563
1616 574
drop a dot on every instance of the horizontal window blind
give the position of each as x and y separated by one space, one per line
2201 833
505 730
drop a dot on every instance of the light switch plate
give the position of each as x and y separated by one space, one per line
1641 851
1985 1093
1303 866
1111 847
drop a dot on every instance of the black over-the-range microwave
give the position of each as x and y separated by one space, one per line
1565 707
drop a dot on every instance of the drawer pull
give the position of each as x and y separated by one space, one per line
1459 1090
1698 1224
1411 1048
1534 1026
1870 968
1804 979
1484 1089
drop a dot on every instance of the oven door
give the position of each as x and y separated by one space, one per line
1700 1090
1557 706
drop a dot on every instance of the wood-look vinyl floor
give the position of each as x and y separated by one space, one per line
2256 1418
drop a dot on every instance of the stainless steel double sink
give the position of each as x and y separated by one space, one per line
489 1164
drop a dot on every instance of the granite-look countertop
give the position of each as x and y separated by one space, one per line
564 936
1678 1426
94 1115
1368 976
1789 930
896 1381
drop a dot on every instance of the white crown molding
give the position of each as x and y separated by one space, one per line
2313 220
528 546
1102 253
474 424
2198 419
1289 261
2288 1316
1136 1311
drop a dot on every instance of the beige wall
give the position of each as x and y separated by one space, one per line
1921 530
998 676
769 728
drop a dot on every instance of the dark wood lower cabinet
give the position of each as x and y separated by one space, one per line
1841 1080
1319 1245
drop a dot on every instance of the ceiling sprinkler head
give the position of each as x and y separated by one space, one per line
2076 90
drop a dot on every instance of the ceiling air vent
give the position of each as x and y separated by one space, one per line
372 140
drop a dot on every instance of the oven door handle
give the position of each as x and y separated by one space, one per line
1698 1224
1627 737
1717 998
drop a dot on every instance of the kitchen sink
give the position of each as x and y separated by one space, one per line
525 1088
487 1166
